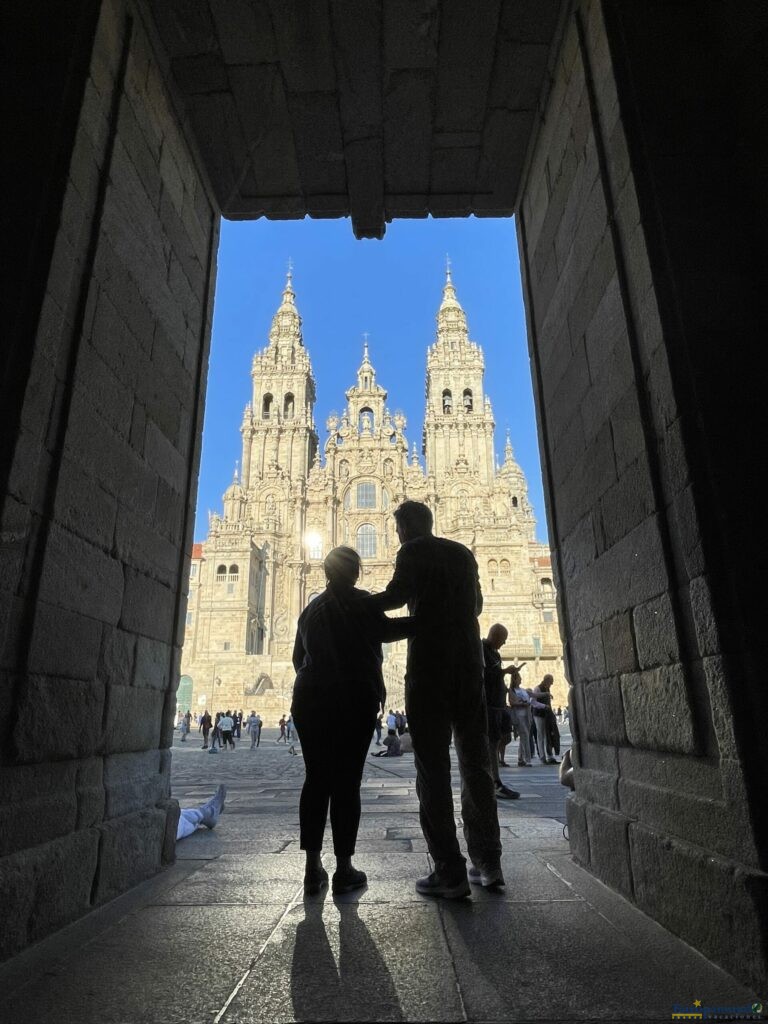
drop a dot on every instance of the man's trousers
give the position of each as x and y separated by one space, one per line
435 709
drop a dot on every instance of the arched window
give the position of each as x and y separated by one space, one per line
288 407
493 567
314 545
312 596
546 585
234 572
505 567
366 494
365 420
514 503
467 400
366 541
447 402
266 407
221 572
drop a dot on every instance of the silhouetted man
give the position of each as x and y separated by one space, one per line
496 699
438 580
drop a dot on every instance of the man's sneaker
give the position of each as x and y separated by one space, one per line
348 881
552 760
314 881
489 878
505 793
454 888
214 807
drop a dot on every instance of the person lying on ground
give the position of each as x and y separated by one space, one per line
207 814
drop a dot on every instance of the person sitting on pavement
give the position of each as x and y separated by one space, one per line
406 743
566 771
207 814
339 688
495 700
393 746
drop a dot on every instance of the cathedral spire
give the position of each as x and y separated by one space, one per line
509 455
366 375
450 300
285 331
451 318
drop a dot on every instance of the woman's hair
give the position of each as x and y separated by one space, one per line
342 565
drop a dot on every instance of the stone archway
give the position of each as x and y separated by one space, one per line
644 332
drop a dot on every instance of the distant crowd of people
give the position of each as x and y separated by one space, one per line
220 733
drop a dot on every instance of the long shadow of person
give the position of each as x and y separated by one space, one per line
359 988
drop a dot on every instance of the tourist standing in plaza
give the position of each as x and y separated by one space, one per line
282 735
378 727
339 689
253 728
186 725
522 706
496 700
547 733
205 727
226 726
444 694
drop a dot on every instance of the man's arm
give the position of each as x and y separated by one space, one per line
402 587
298 652
389 630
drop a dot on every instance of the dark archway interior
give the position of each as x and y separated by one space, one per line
624 138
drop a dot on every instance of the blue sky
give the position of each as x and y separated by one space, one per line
392 290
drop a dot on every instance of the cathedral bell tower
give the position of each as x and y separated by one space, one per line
458 422
278 425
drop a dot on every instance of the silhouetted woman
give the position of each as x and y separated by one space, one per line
337 695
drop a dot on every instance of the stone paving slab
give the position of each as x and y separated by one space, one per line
331 962
225 937
160 965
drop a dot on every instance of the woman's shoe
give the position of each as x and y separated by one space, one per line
315 881
348 880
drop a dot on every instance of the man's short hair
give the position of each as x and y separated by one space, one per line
415 517
342 565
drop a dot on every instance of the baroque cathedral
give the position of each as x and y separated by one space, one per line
262 561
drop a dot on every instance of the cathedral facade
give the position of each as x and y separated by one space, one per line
288 505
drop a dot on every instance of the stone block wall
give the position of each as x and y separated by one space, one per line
102 471
663 810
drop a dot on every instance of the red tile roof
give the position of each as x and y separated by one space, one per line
197 550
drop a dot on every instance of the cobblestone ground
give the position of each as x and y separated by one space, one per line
225 934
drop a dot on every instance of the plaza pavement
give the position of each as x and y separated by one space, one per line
225 935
